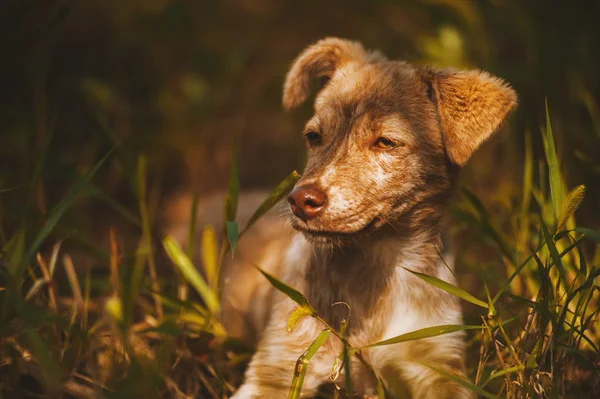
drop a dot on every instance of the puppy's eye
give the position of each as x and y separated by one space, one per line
383 143
313 138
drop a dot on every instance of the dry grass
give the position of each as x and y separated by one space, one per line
130 331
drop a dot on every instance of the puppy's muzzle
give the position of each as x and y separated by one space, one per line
307 202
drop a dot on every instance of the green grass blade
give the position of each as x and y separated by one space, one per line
424 333
554 253
589 233
232 235
191 238
501 373
209 256
231 201
103 196
302 364
189 272
554 175
58 211
290 292
465 383
449 288
276 195
14 251
380 389
527 174
230 206
517 271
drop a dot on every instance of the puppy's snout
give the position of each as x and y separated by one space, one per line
307 202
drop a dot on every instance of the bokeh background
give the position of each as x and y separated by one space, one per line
174 81
177 79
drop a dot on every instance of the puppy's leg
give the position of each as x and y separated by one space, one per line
426 383
271 370
403 368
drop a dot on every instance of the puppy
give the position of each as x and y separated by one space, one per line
384 147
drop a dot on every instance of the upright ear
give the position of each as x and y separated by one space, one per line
471 106
318 60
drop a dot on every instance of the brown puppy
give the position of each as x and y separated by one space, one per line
385 144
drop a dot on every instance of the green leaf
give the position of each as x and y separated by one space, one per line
103 196
465 383
517 271
191 239
189 272
55 214
232 234
449 288
501 373
554 252
424 333
572 202
209 255
589 233
554 175
290 292
231 201
380 389
276 195
14 251
302 364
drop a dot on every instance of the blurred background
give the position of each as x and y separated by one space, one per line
177 79
174 81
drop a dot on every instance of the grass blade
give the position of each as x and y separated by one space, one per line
232 234
230 206
191 239
554 253
501 373
14 251
58 211
231 201
290 292
209 256
465 383
589 233
276 195
302 364
449 288
189 272
380 389
554 175
424 333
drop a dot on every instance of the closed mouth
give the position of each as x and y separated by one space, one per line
332 234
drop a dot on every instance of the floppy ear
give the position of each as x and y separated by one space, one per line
319 60
471 106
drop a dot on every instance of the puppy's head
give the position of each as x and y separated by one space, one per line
385 139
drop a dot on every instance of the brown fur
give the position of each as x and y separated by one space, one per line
384 210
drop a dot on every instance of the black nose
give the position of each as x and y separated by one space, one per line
307 201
